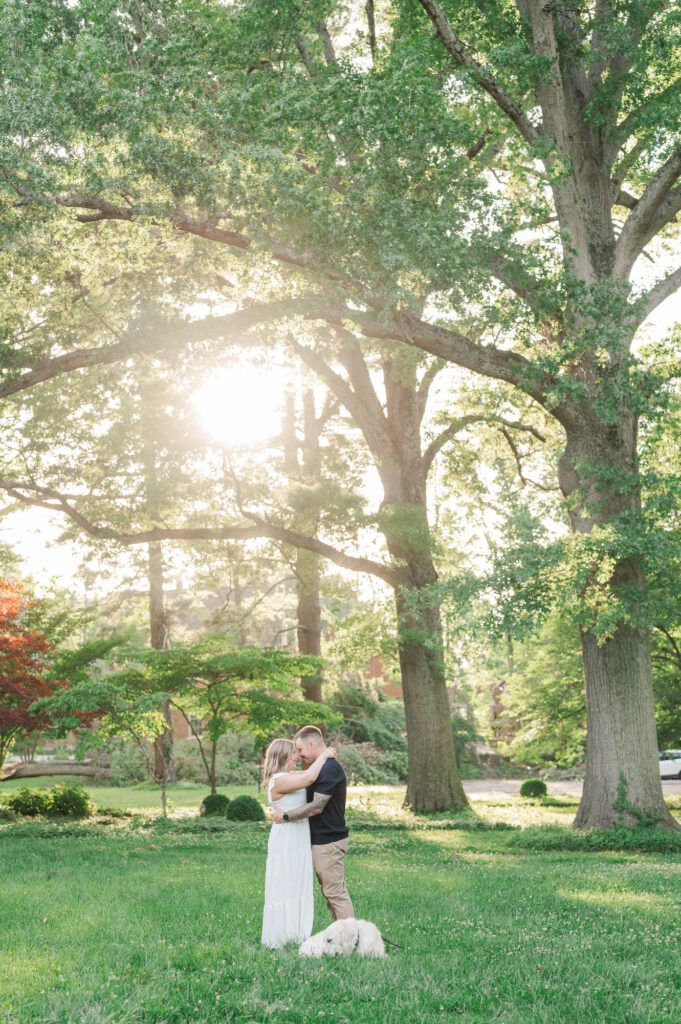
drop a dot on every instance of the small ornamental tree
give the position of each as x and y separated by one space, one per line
226 687
37 662
24 669
229 688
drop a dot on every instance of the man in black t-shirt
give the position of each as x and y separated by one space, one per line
328 832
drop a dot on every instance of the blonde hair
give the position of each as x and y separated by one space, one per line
276 756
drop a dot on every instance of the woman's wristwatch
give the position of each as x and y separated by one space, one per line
285 815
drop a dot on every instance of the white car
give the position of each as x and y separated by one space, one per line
670 764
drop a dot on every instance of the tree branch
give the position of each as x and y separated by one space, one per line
626 128
260 529
519 463
164 335
305 55
368 418
463 59
454 347
371 25
656 207
425 385
676 653
323 33
237 240
465 421
658 293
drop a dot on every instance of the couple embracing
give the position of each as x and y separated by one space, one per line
308 831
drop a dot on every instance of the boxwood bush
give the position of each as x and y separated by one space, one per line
215 803
245 808
533 788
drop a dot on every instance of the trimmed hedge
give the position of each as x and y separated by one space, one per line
533 788
245 808
215 803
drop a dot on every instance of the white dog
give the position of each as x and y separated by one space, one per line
345 937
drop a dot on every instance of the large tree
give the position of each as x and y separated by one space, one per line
511 163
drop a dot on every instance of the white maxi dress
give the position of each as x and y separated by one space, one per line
289 898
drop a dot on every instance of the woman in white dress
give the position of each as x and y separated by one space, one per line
289 900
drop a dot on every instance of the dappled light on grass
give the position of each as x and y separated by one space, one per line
625 900
159 923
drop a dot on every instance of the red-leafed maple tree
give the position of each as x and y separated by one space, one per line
24 668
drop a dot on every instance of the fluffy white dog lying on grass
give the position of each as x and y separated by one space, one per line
343 938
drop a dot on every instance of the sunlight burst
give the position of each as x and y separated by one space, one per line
242 405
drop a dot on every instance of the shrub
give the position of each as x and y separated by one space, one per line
245 808
215 803
31 803
6 814
533 788
70 802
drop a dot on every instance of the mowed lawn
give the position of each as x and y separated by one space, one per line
144 925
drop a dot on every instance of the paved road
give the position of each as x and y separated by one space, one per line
483 789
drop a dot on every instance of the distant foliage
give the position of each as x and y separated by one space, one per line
465 738
368 765
371 739
545 698
370 717
245 808
238 760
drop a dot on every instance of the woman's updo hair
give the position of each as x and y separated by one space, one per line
276 756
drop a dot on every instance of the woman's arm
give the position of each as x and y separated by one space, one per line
291 781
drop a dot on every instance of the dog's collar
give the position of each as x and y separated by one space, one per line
356 945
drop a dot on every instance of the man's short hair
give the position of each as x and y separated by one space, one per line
309 732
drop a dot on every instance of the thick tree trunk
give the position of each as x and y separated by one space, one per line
622 781
434 783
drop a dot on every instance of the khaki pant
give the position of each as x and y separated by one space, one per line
329 869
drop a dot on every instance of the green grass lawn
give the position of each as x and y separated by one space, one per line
126 924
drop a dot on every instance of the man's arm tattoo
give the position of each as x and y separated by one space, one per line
316 806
